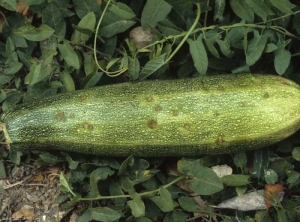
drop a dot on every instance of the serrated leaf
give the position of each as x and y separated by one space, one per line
35 34
69 55
122 11
164 200
133 68
242 10
152 66
199 55
88 22
67 81
104 214
219 10
255 49
204 180
236 180
283 5
153 12
282 60
137 206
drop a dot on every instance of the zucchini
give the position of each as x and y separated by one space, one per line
185 117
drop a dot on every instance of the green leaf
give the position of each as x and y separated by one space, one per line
101 173
242 10
67 81
91 80
50 158
219 10
53 17
260 162
281 215
33 2
152 66
133 68
153 12
69 55
270 47
188 204
255 48
87 22
82 8
293 177
199 55
2 95
282 60
204 180
11 51
122 11
11 68
90 66
271 176
225 48
296 153
65 182
35 34
283 5
35 74
104 214
211 48
2 170
136 205
112 25
235 180
9 4
164 200
259 8
240 159
15 156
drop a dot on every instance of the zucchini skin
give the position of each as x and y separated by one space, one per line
185 117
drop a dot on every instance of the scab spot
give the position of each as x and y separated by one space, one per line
158 108
221 88
266 95
152 123
72 115
219 140
187 126
175 112
149 99
83 97
60 115
88 126
216 114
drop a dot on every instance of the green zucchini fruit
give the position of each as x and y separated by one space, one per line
185 117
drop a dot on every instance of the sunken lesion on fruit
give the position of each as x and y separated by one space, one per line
266 95
152 123
60 115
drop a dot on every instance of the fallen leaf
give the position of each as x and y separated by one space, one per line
23 9
26 213
183 185
270 189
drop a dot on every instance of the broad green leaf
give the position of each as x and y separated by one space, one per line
199 55
167 28
204 180
67 81
281 167
2 170
240 159
90 66
164 200
50 158
270 47
33 2
82 8
242 10
114 190
188 203
225 48
282 60
87 22
235 35
35 34
176 216
283 5
65 182
85 217
104 214
296 153
134 68
259 8
11 51
211 48
236 180
152 66
9 4
219 10
112 25
69 55
53 17
101 173
122 11
296 23
11 68
260 162
35 74
281 215
255 49
153 12
293 177
15 156
12 98
136 205
2 95
91 80
271 176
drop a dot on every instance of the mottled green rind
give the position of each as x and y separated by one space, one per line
185 117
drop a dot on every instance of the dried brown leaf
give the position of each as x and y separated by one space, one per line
270 189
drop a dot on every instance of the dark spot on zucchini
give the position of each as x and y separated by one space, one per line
72 115
149 99
152 123
88 126
219 140
60 115
175 112
216 114
187 126
266 95
158 108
